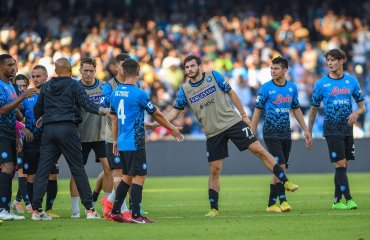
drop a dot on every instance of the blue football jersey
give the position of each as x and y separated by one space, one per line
336 95
27 110
276 101
7 121
129 102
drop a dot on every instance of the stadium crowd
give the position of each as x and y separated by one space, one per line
237 39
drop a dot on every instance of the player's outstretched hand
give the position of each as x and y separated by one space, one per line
115 149
309 141
28 92
352 119
27 134
177 135
39 122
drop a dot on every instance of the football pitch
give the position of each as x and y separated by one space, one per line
178 205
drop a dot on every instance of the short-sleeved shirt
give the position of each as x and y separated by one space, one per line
277 101
30 124
7 121
129 102
336 96
208 100
92 127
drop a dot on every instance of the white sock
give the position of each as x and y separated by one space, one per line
75 207
112 196
124 206
106 193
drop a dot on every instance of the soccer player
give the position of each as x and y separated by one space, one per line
114 162
58 104
32 143
8 104
128 103
276 98
92 131
21 84
205 94
335 91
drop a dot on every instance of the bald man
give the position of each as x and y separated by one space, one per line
58 106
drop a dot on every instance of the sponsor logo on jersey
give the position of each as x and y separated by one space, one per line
203 94
96 98
281 99
341 101
339 91
272 92
282 110
208 103
327 85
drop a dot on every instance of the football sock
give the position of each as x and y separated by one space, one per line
75 207
341 173
280 192
279 173
338 192
213 198
22 189
136 196
95 196
52 190
124 206
30 190
5 181
112 196
273 195
121 193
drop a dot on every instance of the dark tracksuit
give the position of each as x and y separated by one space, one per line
59 105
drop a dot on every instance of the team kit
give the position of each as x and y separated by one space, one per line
117 136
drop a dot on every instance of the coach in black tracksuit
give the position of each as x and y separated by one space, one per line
59 106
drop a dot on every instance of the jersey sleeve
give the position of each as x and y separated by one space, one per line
112 104
295 101
221 82
145 103
357 93
181 101
2 97
316 96
106 92
261 98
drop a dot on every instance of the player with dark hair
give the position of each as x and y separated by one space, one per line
335 90
128 103
9 101
205 94
276 98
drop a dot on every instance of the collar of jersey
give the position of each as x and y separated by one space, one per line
336 78
197 84
286 82
92 86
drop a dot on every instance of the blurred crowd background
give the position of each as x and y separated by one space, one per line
237 38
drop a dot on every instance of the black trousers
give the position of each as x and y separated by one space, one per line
58 139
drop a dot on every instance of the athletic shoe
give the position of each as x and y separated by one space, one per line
142 219
52 214
213 213
119 217
29 208
36 215
273 209
92 214
127 214
6 216
351 204
290 186
284 206
75 215
17 206
339 206
107 207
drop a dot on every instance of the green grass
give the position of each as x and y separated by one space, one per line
179 203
